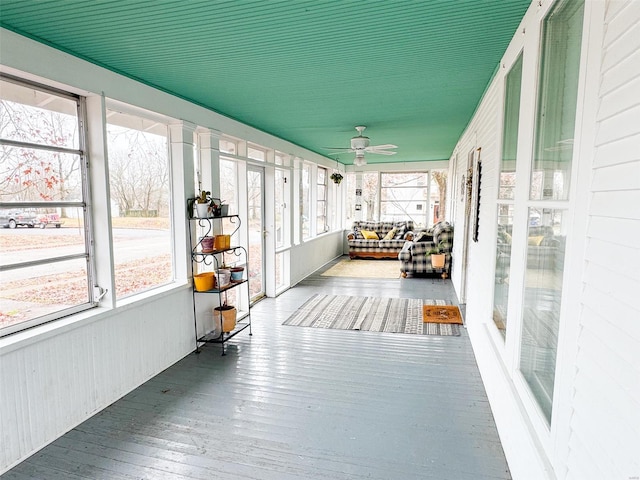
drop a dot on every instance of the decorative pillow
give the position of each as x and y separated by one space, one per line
390 235
536 241
401 229
357 233
369 235
423 236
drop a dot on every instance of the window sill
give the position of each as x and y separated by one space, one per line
82 319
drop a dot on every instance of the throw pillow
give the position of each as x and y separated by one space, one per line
369 235
536 241
423 237
401 230
390 235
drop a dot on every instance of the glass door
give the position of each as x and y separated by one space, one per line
255 222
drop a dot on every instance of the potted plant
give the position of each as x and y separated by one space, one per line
336 177
203 204
437 256
225 316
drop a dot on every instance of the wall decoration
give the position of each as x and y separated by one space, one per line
358 192
475 195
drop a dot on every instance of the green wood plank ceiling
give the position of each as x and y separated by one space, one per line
413 72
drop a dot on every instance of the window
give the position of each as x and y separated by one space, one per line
503 267
45 261
557 101
228 192
437 196
256 153
228 146
321 201
405 195
510 123
369 198
139 184
282 220
551 170
305 201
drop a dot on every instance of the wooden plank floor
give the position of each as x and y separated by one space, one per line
298 403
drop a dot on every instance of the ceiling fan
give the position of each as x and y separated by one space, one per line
360 145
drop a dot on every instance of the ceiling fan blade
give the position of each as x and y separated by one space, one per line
386 146
338 149
381 152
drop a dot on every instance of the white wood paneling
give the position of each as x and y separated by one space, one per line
314 253
605 425
53 381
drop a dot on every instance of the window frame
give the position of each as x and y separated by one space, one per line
155 119
322 205
88 254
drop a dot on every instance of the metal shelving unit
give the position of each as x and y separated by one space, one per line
199 257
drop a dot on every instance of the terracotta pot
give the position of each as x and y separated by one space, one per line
437 260
228 314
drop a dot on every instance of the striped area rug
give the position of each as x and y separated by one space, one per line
391 315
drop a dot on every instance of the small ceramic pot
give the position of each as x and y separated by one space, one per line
207 244
202 209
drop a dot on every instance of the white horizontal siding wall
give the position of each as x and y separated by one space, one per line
595 431
605 425
480 133
52 381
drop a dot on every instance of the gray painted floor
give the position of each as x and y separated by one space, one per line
298 403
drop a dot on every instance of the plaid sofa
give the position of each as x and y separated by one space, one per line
363 248
413 256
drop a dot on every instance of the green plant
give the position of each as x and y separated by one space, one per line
204 197
437 250
336 177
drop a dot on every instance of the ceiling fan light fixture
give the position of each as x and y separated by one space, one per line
359 161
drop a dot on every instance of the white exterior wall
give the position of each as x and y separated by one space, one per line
595 428
604 437
57 375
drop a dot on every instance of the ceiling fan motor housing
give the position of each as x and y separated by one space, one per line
359 143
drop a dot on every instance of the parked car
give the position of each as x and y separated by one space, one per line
17 218
45 219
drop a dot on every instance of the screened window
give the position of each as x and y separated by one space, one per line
256 153
437 196
281 196
551 169
45 261
305 200
139 183
405 195
349 183
368 201
228 146
321 201
229 185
